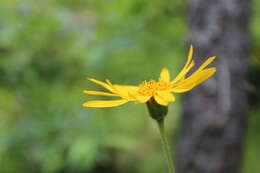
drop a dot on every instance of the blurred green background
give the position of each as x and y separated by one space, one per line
48 48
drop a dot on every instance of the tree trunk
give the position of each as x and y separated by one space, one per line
214 116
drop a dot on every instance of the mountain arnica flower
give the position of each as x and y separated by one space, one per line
156 94
160 91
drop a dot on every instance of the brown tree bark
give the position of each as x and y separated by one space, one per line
214 116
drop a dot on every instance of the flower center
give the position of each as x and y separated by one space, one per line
149 88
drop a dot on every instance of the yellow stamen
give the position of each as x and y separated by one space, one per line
149 88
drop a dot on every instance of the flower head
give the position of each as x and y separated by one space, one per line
161 90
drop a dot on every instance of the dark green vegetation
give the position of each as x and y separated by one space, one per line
48 48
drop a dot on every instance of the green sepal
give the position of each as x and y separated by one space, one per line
156 111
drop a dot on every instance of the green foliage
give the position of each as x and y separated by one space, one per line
47 48
252 151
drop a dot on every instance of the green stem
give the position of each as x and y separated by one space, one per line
166 147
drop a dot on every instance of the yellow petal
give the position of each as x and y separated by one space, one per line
108 81
99 93
188 65
165 75
125 90
194 80
160 100
166 95
198 75
142 99
183 87
182 74
189 56
207 62
208 73
103 103
103 84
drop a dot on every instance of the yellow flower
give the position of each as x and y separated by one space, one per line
160 91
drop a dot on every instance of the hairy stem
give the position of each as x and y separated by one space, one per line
166 147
